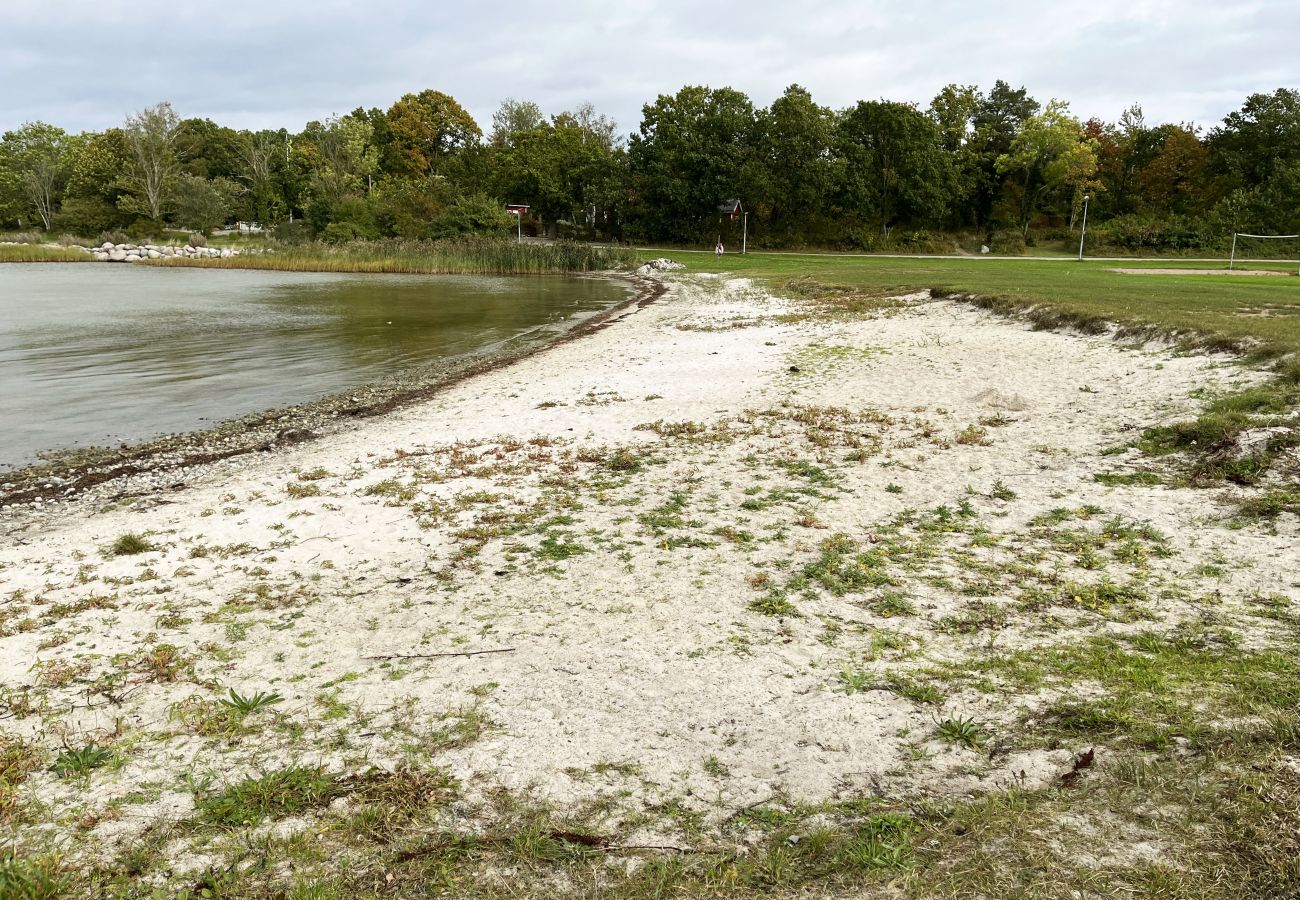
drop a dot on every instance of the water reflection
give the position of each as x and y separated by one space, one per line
94 354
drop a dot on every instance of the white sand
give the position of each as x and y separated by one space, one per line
630 652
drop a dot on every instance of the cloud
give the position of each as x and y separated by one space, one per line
271 64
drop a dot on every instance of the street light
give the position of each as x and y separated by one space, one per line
1084 229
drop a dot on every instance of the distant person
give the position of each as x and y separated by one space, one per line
719 250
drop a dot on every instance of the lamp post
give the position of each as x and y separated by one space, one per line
1084 230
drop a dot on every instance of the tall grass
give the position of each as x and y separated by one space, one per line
40 253
461 256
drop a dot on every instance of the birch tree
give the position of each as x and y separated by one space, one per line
151 139
39 163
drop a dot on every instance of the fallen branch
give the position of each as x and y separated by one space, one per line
436 655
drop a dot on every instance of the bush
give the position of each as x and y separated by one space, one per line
28 237
71 240
1139 233
472 215
344 232
1006 243
144 229
197 240
116 236
87 215
298 232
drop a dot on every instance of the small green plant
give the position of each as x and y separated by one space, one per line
27 879
130 544
855 682
81 761
298 490
916 691
884 841
1001 491
891 604
556 548
964 731
274 795
892 488
774 603
974 435
251 704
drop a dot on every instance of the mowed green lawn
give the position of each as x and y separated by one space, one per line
1264 308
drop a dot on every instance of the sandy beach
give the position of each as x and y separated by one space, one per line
729 550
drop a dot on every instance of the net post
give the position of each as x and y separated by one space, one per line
1232 258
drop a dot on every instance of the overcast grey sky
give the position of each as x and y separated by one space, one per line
274 63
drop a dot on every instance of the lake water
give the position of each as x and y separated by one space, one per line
99 355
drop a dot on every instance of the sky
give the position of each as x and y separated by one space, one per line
281 63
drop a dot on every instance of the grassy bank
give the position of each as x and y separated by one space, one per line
1243 312
26 253
470 256
1256 316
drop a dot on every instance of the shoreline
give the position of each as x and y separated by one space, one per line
735 569
63 475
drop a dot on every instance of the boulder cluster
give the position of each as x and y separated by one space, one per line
108 252
662 264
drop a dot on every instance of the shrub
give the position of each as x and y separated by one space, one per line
129 545
197 240
143 229
1006 243
297 232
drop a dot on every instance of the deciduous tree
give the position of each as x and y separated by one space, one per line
152 137
39 163
425 129
893 165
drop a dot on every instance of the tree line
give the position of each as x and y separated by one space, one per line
989 166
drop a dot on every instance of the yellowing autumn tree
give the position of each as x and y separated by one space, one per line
1052 152
425 129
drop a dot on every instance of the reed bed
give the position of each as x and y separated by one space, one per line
466 256
27 253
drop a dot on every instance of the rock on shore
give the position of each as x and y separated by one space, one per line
109 252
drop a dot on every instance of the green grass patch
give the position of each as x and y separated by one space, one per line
275 795
130 544
34 253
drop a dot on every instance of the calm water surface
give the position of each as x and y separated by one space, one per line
97 354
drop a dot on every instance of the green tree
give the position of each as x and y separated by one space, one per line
794 174
338 156
425 129
261 155
559 169
953 110
203 204
515 117
152 139
894 168
208 150
90 203
39 163
1258 139
689 156
1050 152
998 118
